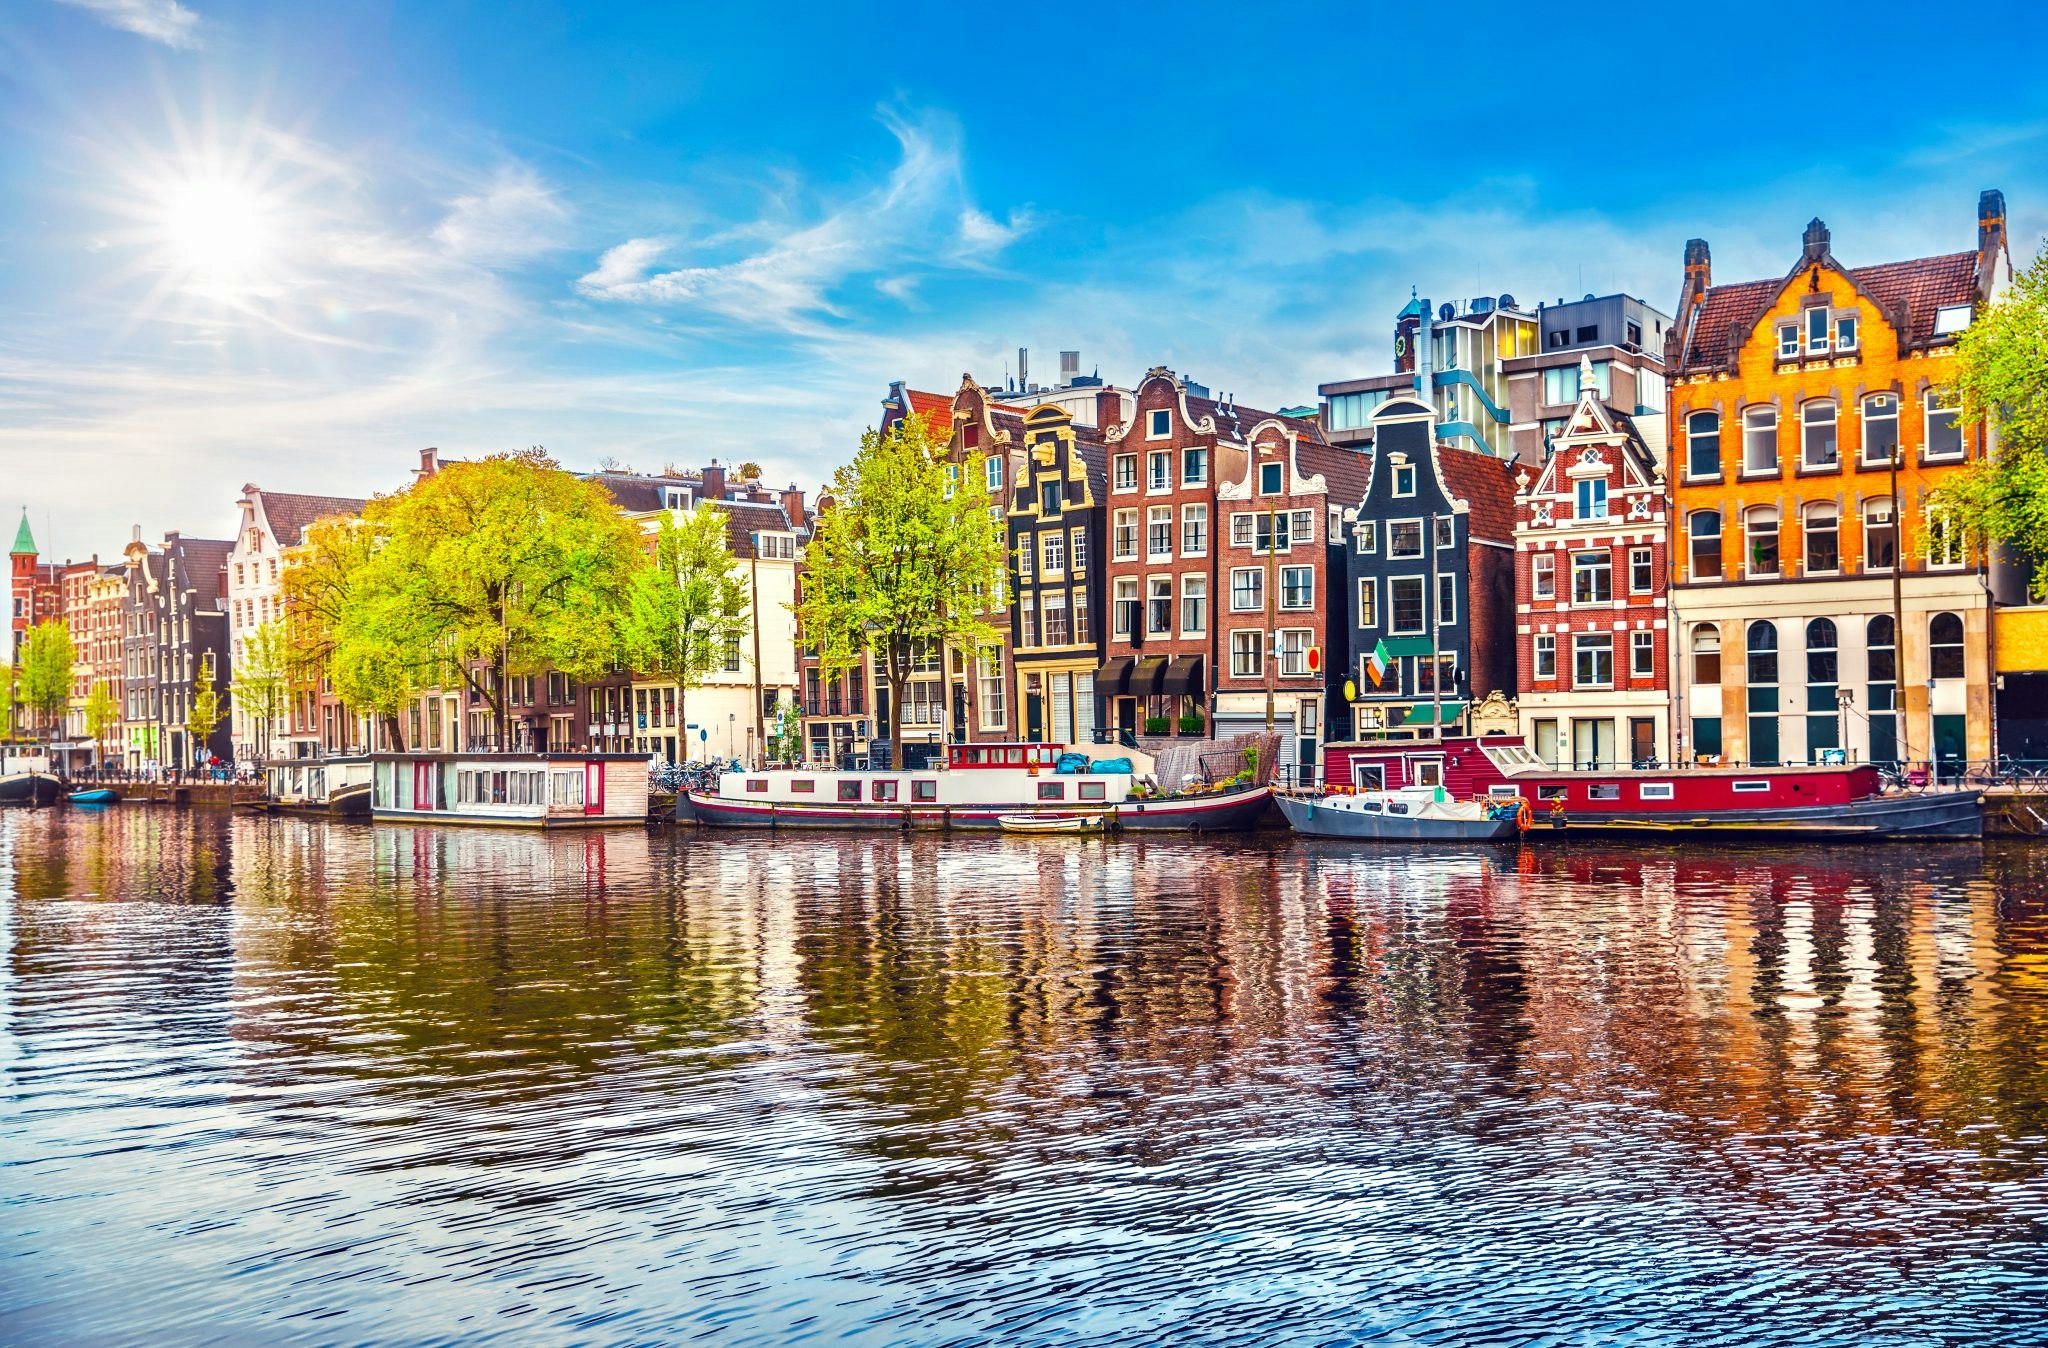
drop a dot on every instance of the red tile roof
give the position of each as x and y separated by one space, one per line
1487 485
936 409
1346 473
1729 313
289 514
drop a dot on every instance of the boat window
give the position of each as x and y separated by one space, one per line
885 790
1397 807
1094 791
1371 807
1052 790
1503 791
1752 786
1425 772
1603 791
1655 791
1016 756
849 790
925 789
757 783
1551 792
802 786
1370 776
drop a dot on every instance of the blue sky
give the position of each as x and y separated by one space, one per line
294 243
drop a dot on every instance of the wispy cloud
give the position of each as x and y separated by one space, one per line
512 218
164 21
789 277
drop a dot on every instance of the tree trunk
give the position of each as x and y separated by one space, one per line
683 720
396 734
899 679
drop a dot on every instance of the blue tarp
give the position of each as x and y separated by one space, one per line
1071 763
1111 765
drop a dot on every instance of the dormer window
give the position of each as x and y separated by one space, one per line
1159 424
1951 318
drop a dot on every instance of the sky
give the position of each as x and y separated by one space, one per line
293 244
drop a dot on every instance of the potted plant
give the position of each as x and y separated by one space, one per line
1156 725
1191 723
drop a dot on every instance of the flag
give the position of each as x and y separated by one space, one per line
1379 662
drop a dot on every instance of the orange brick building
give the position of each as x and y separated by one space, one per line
1811 568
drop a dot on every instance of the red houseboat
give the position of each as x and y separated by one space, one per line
1832 803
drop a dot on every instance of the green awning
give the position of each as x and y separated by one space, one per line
1399 646
1434 715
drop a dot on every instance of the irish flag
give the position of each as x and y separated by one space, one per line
1379 662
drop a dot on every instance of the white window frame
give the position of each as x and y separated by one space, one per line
1125 596
1201 628
1591 563
1126 472
1159 423
1401 471
1158 483
1929 406
1642 654
1052 553
1446 600
1422 591
1819 317
1293 644
1788 341
1247 654
1194 516
1310 603
1368 602
1366 536
1589 487
1258 576
1777 450
1646 560
1421 540
1543 655
1591 643
1809 421
1543 575
1125 527
1156 516
1152 596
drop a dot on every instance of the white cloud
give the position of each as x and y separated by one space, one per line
165 21
513 217
623 266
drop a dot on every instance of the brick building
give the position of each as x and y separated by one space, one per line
1053 479
1590 587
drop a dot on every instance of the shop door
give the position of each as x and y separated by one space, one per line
1949 740
1642 741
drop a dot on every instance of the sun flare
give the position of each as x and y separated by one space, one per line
216 231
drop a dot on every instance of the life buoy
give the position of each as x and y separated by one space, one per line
1524 817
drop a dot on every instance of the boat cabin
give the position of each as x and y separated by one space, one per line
548 790
293 783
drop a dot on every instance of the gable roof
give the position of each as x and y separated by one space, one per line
1728 314
290 513
1234 421
1486 484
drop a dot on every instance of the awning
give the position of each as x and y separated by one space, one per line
1183 677
1146 678
1425 714
1113 675
1400 646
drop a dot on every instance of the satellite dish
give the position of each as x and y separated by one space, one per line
1507 301
1447 312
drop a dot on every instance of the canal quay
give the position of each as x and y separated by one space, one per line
274 1079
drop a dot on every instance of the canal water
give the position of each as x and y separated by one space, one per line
266 1080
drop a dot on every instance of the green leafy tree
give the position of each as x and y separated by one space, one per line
207 709
683 612
487 569
262 680
902 563
102 714
2004 380
332 602
9 699
46 659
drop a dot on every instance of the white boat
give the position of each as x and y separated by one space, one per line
579 790
977 786
332 786
1050 823
1408 814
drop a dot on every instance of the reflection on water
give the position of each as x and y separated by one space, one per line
265 1079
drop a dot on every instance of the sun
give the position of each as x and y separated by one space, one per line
217 232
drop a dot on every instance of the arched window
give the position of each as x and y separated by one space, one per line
1706 654
1760 440
1882 696
1880 535
1763 693
1880 427
1763 653
1817 434
1822 528
1703 444
1820 652
1945 646
1760 537
1704 529
1823 701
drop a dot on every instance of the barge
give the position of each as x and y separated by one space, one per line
339 787
536 790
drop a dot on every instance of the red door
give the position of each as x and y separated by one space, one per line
423 786
593 788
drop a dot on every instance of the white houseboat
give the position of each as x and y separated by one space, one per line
332 786
552 790
978 786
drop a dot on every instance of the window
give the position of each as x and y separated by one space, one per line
1159 423
849 790
1298 587
1880 427
1763 694
1303 528
1077 550
1159 471
1124 605
1763 654
1593 660
1546 656
989 686
1194 465
1294 644
1272 479
1093 791
1760 527
1823 534
1543 575
1404 538
1159 532
1367 535
1247 656
1951 318
1823 673
1642 655
1056 631
1592 499
1944 538
1126 472
1263 539
1817 332
883 790
1368 610
992 470
1880 536
1159 605
1944 426
1945 646
1592 578
1027 620
1845 332
1194 605
1446 600
1760 440
1788 341
1561 383
1194 530
732 654
1642 575
1817 434
1026 557
1052 557
1404 479
1247 590
1881 699
1124 538
1082 636
1405 598
1049 497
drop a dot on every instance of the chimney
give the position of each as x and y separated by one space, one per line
1814 242
1990 239
1699 266
793 506
714 482
1109 409
430 463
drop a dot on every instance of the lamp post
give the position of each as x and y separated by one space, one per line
1845 698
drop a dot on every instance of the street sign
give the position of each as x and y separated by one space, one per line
1315 659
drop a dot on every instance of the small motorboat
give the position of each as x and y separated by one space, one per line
95 795
1049 823
1410 814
